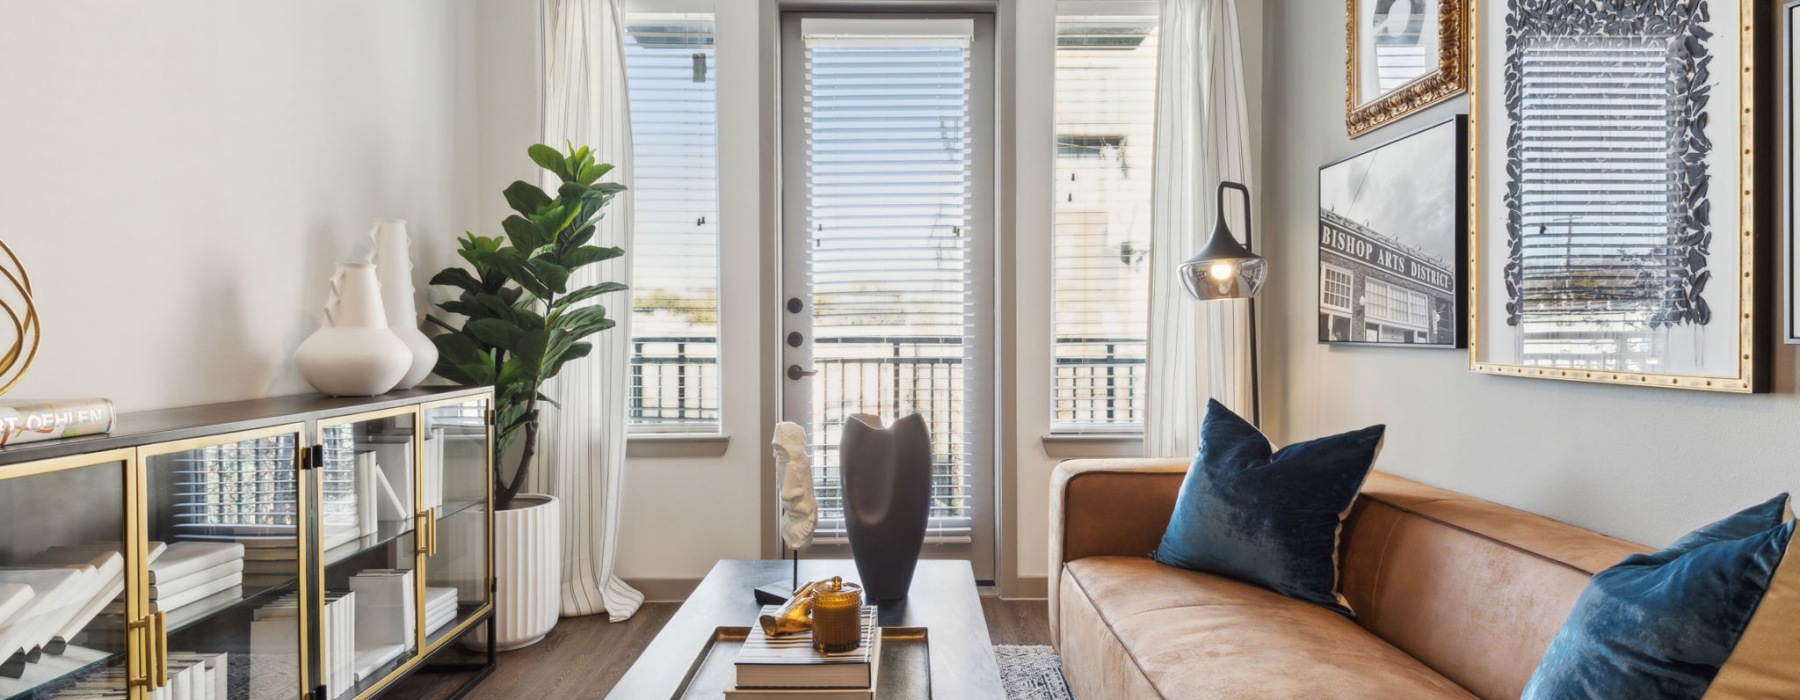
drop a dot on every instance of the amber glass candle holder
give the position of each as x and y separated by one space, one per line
837 619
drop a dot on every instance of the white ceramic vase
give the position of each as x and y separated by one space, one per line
528 573
353 353
391 252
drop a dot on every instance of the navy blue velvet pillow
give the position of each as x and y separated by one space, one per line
1663 625
1268 517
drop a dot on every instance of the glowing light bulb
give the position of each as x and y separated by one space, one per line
1221 271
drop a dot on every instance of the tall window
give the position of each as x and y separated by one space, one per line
1105 124
675 242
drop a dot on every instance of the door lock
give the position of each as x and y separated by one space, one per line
795 339
795 373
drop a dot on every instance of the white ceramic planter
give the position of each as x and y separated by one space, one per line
391 252
528 566
353 353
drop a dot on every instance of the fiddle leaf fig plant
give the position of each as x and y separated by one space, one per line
522 321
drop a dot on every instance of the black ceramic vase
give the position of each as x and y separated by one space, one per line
887 499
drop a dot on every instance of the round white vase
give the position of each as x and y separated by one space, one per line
353 353
391 252
527 572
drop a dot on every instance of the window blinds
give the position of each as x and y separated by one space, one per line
888 182
675 254
1105 124
1597 201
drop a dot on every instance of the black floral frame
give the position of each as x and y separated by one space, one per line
1690 58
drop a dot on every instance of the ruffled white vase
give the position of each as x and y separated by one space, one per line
391 252
353 353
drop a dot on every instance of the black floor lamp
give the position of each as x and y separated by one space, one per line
1225 270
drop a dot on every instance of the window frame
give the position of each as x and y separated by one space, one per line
713 429
1069 430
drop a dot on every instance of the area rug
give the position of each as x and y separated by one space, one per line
1031 672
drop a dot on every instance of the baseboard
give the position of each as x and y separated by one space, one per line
664 590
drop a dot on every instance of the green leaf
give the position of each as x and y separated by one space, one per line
583 294
575 351
525 197
554 277
583 322
588 255
457 277
580 237
526 235
497 333
609 187
548 159
512 263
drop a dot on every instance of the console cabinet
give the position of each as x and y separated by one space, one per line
296 547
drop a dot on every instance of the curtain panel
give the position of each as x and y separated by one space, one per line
1197 350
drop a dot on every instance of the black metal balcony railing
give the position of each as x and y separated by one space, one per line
1096 381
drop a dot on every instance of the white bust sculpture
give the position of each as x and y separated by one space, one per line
799 506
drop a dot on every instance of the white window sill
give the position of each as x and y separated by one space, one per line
1093 445
676 445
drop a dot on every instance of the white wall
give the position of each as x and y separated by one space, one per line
1643 464
179 177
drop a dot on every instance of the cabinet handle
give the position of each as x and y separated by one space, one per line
160 634
422 532
431 517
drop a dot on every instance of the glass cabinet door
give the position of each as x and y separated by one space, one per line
455 494
222 529
368 525
65 566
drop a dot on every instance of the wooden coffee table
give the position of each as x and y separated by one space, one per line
943 601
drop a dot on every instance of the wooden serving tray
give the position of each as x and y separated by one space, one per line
905 668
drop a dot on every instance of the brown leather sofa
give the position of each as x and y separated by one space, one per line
1455 597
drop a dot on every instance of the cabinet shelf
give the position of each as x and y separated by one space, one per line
386 532
53 671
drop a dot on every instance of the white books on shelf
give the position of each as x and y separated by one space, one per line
385 612
187 558
105 568
396 463
440 607
177 586
13 597
49 668
171 603
434 468
59 593
368 493
340 640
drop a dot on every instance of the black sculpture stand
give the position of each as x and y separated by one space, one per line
887 500
778 592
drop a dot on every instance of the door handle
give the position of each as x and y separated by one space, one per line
795 373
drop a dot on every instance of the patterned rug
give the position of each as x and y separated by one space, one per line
1031 673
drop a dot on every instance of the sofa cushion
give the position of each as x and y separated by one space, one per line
1270 517
1665 624
1197 635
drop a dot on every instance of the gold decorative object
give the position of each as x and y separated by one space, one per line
19 308
795 616
1449 78
837 618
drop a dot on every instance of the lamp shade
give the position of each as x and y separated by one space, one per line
1224 268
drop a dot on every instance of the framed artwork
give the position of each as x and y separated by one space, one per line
1613 223
1790 67
1392 234
1401 55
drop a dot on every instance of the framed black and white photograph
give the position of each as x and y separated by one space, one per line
1615 228
1392 225
1401 55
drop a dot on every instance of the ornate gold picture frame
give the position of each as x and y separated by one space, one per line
1401 56
1614 232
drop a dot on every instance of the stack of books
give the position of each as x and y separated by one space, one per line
385 617
189 572
192 676
773 668
440 607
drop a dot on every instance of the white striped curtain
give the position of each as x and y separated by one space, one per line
1197 350
584 442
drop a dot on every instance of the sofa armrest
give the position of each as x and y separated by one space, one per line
1102 507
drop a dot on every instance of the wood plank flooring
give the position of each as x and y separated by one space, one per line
583 657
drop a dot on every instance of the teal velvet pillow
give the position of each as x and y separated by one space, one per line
1663 625
1268 517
